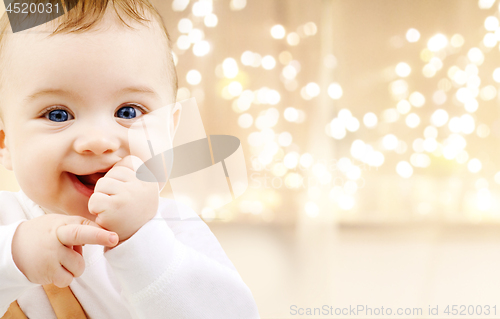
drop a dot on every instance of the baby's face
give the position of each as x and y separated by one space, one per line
68 101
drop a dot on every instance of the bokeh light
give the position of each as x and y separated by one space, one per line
230 68
404 169
237 5
403 69
370 120
201 48
278 31
335 91
293 39
211 20
474 165
437 42
185 25
412 35
268 62
193 77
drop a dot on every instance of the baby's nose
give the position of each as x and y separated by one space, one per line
97 142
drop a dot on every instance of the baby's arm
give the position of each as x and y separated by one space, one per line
177 269
12 281
44 250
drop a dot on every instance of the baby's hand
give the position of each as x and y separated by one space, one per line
47 249
121 201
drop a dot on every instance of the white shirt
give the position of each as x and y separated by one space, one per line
170 268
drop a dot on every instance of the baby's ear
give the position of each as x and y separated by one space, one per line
176 117
4 150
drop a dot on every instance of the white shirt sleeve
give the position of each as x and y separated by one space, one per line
173 268
13 283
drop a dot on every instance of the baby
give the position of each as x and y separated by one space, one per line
70 89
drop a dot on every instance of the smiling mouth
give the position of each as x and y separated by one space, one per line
90 180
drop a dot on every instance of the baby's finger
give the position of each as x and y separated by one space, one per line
72 261
121 173
98 203
81 221
131 162
62 278
71 235
108 186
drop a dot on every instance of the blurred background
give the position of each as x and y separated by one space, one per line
370 131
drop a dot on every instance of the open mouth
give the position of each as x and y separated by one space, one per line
85 184
89 181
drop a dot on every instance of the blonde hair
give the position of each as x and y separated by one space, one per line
84 15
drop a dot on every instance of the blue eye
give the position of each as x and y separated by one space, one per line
58 116
128 112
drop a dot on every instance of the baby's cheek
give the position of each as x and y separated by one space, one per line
150 141
151 134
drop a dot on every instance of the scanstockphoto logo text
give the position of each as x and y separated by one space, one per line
434 311
355 310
